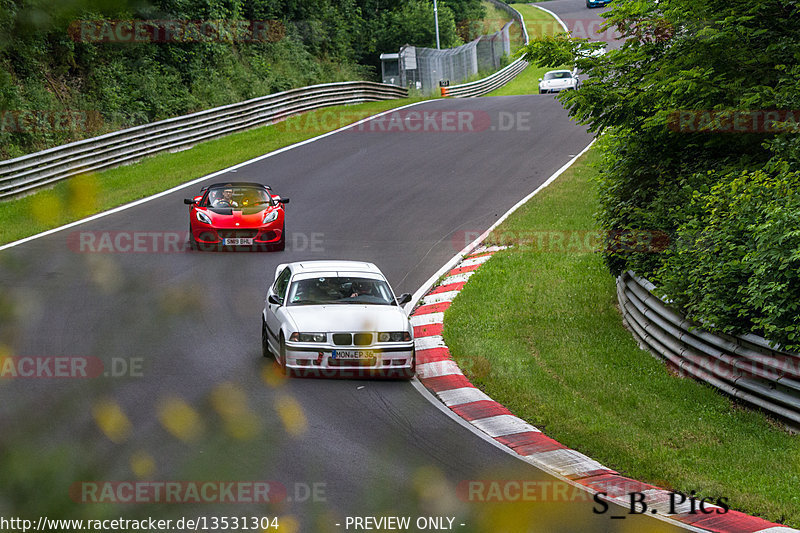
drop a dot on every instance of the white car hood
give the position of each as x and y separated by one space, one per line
347 318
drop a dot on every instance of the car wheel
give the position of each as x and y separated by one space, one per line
542 92
281 246
192 242
282 348
265 351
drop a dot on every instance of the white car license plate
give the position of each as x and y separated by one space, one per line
237 242
353 354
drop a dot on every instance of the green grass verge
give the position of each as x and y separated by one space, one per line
538 329
538 24
85 195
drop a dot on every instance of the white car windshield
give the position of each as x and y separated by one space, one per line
340 290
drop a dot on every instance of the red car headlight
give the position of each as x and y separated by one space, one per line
270 216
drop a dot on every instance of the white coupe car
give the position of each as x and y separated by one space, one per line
326 318
557 81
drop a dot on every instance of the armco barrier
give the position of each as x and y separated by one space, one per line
499 78
29 172
486 85
744 367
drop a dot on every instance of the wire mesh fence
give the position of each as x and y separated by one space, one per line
425 68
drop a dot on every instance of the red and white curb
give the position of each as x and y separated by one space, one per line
437 371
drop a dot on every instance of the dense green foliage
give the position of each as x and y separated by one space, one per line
738 256
661 98
47 65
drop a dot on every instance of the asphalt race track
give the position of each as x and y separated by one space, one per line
201 404
584 23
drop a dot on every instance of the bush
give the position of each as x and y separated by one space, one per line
736 262
733 228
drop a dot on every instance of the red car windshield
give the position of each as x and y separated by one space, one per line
233 196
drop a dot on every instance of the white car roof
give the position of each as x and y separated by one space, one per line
337 274
333 266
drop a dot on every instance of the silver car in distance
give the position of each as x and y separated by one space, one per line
336 318
559 80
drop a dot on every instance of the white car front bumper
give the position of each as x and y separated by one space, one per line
556 89
322 359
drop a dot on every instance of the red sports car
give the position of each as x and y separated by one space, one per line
237 214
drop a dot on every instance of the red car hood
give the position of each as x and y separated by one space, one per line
237 218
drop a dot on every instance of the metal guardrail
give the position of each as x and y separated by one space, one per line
29 172
486 85
499 78
745 367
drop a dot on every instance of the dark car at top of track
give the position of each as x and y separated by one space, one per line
236 215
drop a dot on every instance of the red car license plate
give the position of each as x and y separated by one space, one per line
237 242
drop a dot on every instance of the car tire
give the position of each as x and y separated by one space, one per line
192 242
542 92
282 348
281 246
265 351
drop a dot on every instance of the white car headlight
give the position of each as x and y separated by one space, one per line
308 337
202 217
270 216
394 336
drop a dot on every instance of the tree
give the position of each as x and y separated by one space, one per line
680 56
686 103
413 23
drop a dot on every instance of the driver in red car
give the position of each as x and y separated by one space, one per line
226 200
